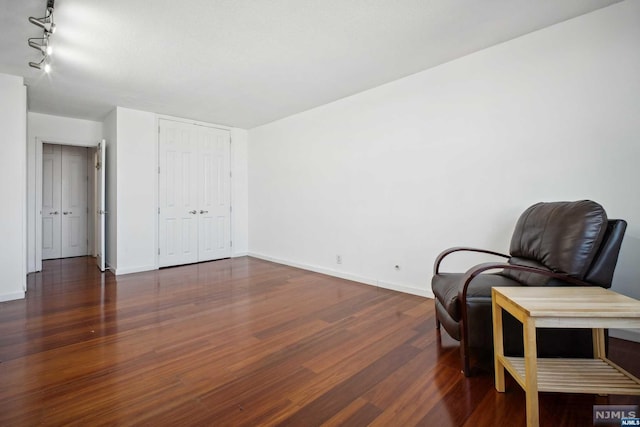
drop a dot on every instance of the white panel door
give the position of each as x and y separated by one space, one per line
194 194
214 223
178 196
74 201
100 194
64 201
51 201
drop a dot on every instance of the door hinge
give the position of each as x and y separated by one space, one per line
231 243
230 208
158 211
158 169
158 251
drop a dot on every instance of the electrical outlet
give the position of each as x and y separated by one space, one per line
338 259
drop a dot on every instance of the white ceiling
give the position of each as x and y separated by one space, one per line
248 62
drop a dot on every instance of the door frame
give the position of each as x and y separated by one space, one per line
38 204
160 117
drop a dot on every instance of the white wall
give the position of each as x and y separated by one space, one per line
55 130
13 175
137 136
239 192
452 156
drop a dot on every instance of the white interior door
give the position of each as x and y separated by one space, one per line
64 201
214 200
178 196
74 202
100 208
194 194
51 201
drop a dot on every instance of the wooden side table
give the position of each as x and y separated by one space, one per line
563 307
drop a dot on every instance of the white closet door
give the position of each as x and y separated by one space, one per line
64 201
51 201
194 194
74 201
178 195
214 224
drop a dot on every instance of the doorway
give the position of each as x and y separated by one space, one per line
46 234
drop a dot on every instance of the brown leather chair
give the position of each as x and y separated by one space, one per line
554 244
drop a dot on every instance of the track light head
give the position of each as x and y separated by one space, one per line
45 23
42 65
37 65
44 47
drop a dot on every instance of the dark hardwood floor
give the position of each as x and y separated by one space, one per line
245 342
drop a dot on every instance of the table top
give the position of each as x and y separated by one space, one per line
571 301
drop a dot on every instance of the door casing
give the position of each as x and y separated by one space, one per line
38 202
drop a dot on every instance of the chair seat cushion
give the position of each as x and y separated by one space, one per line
447 288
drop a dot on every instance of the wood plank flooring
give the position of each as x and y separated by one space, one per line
245 342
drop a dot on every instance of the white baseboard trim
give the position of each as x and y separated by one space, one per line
121 271
347 276
626 334
12 296
130 270
427 293
316 269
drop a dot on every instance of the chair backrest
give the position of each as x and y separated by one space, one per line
575 238
604 264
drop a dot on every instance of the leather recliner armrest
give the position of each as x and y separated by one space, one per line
443 254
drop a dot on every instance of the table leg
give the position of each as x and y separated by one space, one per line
531 372
498 345
598 343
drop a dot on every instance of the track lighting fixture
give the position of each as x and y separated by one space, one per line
42 43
